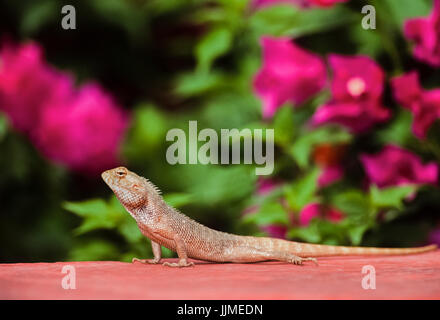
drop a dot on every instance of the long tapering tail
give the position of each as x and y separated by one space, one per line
319 250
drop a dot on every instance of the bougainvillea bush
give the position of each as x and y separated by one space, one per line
355 112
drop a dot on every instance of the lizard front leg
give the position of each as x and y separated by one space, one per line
181 252
157 252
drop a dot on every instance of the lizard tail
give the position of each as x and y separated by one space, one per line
319 250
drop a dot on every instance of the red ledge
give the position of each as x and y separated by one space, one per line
397 277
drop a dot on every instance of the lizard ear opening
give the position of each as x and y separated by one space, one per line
136 187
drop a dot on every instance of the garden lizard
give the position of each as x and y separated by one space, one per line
166 226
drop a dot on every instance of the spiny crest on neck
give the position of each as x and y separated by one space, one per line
152 186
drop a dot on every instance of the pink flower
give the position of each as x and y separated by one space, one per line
356 94
80 129
424 104
84 132
329 158
300 3
326 3
267 3
330 174
28 84
289 74
314 210
275 231
395 166
425 33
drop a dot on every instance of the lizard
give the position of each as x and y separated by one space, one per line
168 227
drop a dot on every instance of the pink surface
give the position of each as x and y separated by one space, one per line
416 276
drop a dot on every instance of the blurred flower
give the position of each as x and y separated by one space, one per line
80 129
329 157
425 33
300 3
395 166
325 3
275 231
289 73
424 104
314 210
330 175
28 84
267 3
356 94
83 133
434 237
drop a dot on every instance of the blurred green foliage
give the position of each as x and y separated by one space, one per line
172 61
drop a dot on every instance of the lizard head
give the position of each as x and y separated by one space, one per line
132 190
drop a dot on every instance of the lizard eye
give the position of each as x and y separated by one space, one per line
121 172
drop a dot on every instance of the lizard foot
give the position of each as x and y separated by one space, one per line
180 264
151 261
299 261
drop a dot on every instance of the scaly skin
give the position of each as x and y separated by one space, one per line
166 226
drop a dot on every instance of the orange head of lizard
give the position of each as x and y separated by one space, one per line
131 189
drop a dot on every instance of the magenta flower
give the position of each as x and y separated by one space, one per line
314 210
395 166
289 74
356 94
267 3
325 3
299 3
425 33
424 104
83 133
27 84
330 175
275 231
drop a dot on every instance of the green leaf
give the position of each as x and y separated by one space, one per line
3 126
303 191
193 84
269 213
391 197
37 15
213 45
309 234
287 20
94 250
147 133
213 185
320 20
177 200
399 131
283 125
353 203
303 146
97 214
356 233
130 230
401 10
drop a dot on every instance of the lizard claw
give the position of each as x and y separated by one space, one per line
150 261
180 264
299 260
